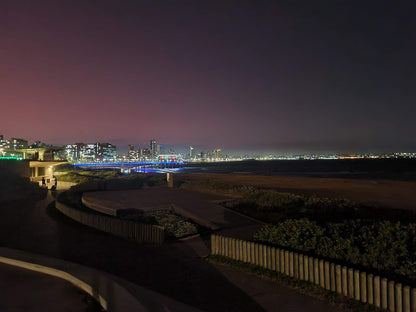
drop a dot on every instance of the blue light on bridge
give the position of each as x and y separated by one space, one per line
130 164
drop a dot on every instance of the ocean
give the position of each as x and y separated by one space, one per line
385 169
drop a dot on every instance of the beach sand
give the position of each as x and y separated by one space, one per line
383 193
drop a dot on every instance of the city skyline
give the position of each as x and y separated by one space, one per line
242 75
19 148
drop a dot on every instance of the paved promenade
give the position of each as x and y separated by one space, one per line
175 269
202 208
23 290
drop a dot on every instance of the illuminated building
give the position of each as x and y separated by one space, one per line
131 152
192 152
106 151
90 152
167 158
217 153
18 143
153 148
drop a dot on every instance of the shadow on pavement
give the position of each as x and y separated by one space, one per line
172 269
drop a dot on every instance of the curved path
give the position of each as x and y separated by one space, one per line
24 290
173 269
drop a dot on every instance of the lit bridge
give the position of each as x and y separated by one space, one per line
135 166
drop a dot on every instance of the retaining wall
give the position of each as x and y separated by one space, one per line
127 229
359 285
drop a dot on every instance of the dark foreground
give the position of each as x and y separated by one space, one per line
173 269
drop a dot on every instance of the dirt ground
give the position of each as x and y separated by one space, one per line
383 193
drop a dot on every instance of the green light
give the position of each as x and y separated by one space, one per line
14 158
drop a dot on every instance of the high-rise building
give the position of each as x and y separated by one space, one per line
90 152
191 152
217 153
106 151
131 153
153 147
18 143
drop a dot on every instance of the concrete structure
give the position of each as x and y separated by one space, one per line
169 179
39 169
127 229
348 282
112 293
49 153
201 208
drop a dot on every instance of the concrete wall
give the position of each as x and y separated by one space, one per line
127 229
359 285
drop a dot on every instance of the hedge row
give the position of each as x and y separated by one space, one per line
381 245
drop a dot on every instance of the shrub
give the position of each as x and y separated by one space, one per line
381 245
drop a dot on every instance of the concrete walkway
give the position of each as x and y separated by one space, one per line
23 290
174 270
113 293
272 296
202 208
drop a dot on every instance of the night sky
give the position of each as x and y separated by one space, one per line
238 75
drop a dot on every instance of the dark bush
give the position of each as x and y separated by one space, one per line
381 245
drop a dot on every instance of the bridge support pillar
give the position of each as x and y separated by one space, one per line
169 178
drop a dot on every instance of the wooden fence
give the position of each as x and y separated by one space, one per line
359 285
127 229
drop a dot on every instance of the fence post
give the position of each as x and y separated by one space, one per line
270 259
383 284
363 287
398 295
390 293
370 291
406 299
244 251
316 271
273 259
332 274
265 257
327 276
261 257
222 243
311 270
252 253
287 263
338 279
377 291
296 265
350 283
226 246
277 269
282 261
321 274
357 285
234 248
413 299
291 264
301 268
306 267
221 253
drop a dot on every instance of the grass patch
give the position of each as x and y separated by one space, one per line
175 225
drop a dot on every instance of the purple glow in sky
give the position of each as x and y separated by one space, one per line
276 75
